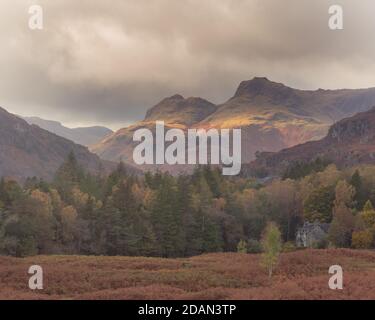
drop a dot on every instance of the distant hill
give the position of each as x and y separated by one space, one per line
271 115
349 142
27 150
85 136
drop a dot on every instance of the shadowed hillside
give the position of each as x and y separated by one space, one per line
349 142
27 150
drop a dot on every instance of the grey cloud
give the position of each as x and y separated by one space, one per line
108 61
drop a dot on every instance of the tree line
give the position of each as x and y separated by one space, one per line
158 214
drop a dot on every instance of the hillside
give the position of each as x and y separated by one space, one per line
85 136
27 150
349 142
271 115
222 276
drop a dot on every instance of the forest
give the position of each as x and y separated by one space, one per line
161 215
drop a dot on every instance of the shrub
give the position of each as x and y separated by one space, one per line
254 246
242 247
289 247
321 244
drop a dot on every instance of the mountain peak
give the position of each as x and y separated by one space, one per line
261 86
176 97
177 109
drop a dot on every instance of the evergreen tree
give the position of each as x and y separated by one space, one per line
167 219
69 174
360 195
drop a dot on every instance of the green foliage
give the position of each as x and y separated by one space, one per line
363 239
162 215
166 218
254 246
318 205
300 169
368 215
357 182
242 247
271 243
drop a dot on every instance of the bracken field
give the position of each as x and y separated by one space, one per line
299 275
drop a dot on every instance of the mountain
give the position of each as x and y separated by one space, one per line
349 142
175 111
85 136
27 150
271 115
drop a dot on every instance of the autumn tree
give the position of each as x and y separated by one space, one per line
342 226
363 239
271 243
368 214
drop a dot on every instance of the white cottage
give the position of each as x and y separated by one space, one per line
311 233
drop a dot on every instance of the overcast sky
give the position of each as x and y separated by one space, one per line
107 61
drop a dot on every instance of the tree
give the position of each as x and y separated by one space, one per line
357 183
368 215
119 174
271 243
285 209
10 191
318 205
363 239
68 225
167 219
344 193
342 226
301 169
69 174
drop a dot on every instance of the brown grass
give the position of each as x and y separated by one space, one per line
300 275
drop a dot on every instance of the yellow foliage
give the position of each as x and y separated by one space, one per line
80 198
68 215
45 201
362 239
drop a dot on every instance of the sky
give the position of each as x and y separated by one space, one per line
105 62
